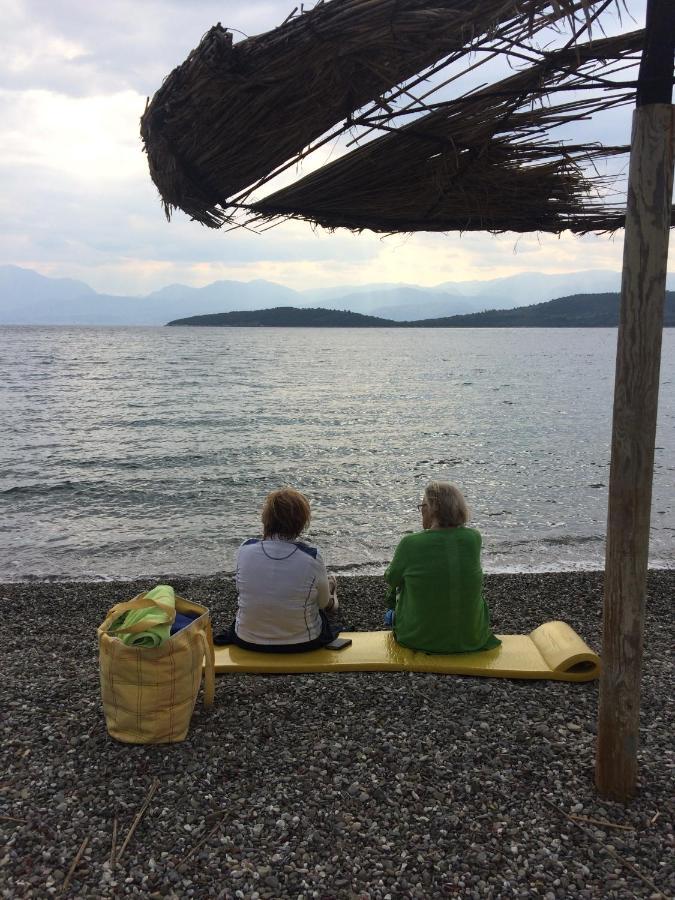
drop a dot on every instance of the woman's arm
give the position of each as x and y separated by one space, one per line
323 597
236 567
393 574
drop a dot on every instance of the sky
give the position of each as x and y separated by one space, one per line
76 199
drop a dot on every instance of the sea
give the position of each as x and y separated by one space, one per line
148 451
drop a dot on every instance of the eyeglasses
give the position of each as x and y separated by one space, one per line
421 506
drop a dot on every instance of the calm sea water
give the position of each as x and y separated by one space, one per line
148 451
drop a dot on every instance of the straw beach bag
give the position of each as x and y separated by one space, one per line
149 693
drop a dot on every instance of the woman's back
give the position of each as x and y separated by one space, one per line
278 583
440 608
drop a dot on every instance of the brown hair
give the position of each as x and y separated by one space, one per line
446 503
286 513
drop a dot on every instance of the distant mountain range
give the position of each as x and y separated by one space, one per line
578 311
28 298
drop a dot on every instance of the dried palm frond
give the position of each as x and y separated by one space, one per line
232 113
502 186
481 162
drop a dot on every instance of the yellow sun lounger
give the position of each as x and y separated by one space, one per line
554 651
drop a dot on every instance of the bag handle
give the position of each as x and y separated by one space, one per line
140 601
209 670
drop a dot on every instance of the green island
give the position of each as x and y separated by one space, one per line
576 311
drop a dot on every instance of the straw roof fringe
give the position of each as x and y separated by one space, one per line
503 187
231 113
480 162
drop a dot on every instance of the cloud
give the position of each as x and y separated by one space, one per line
90 139
76 198
82 48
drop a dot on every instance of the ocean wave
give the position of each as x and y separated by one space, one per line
563 540
100 490
27 490
346 571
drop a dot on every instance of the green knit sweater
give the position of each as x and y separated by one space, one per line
439 602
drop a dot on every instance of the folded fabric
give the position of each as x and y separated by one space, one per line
154 621
182 621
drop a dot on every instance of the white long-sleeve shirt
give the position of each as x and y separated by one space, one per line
281 586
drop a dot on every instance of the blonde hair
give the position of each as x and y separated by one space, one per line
286 513
446 504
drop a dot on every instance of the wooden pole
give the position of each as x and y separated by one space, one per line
645 261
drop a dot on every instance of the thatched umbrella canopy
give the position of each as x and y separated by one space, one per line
478 163
232 113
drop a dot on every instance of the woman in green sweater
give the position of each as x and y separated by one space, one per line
436 579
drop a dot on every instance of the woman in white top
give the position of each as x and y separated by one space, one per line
286 601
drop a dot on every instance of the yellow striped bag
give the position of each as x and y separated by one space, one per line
149 693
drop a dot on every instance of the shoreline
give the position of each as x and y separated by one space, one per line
354 571
357 785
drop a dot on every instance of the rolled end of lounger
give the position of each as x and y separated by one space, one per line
565 652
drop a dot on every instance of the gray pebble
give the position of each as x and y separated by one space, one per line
359 785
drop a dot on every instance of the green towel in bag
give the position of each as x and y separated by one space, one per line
157 630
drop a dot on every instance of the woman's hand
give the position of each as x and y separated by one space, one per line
332 591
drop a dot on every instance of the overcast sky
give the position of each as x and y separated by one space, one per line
75 194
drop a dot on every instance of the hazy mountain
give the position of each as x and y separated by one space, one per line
221 295
533 287
438 305
330 295
26 295
29 298
26 282
402 302
409 302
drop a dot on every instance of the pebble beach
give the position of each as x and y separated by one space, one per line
351 785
